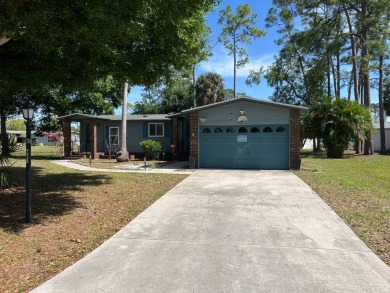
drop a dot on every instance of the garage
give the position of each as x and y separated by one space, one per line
245 133
244 147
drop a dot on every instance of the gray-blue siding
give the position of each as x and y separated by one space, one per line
137 131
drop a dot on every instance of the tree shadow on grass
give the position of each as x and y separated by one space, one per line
51 196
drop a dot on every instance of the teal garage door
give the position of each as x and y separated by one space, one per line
263 147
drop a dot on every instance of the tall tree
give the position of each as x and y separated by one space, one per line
209 89
229 94
51 42
238 29
103 96
169 95
16 124
308 65
330 35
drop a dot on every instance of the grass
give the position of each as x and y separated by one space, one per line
73 213
357 188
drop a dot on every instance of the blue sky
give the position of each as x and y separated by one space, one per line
261 53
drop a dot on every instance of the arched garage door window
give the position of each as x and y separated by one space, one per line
280 129
218 130
267 129
242 130
206 130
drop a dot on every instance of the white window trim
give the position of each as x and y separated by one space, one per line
154 123
109 135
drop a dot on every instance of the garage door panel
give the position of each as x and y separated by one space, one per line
240 150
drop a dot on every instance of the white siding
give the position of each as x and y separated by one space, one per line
377 140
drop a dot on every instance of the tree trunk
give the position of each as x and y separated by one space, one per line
350 85
235 68
305 79
329 86
318 148
124 156
314 145
338 75
338 71
4 136
354 54
381 114
366 76
334 80
193 86
357 85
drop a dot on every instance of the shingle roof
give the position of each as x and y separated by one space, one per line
137 117
145 117
246 99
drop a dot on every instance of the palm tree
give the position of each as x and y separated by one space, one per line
5 153
209 88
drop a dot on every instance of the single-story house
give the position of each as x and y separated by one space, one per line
376 139
242 133
20 136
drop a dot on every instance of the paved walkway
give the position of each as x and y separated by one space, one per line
231 231
175 168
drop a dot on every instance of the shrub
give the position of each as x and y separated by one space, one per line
152 148
5 162
337 121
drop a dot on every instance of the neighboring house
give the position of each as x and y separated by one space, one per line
36 140
241 133
377 140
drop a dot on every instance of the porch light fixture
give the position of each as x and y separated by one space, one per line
28 113
242 118
202 120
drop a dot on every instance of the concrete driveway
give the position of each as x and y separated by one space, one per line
231 231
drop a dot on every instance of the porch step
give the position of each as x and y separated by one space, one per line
74 157
103 156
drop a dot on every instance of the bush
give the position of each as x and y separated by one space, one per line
5 162
337 121
152 148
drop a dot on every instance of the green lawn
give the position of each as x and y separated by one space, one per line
73 213
357 188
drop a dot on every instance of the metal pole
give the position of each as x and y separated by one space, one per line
28 172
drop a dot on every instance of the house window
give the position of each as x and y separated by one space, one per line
156 129
113 135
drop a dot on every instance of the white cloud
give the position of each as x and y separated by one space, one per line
222 63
